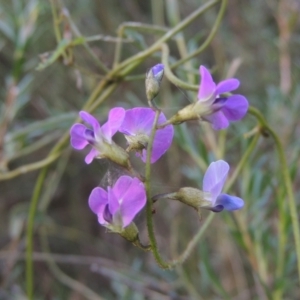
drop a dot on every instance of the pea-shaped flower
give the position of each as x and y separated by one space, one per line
210 197
212 105
100 137
137 126
117 207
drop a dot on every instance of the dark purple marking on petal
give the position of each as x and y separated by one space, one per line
107 216
89 136
229 202
235 108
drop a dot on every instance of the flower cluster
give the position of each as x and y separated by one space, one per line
117 205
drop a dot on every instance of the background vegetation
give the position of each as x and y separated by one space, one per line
53 55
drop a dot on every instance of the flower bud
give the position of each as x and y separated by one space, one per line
187 195
153 80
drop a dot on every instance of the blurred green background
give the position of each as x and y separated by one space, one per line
246 255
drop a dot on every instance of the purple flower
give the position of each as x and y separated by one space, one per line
137 126
117 207
213 183
99 137
220 109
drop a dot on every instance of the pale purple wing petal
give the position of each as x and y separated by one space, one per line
113 200
235 108
115 120
133 201
139 119
217 120
78 140
88 118
122 186
214 178
97 201
229 202
162 141
91 155
227 85
207 86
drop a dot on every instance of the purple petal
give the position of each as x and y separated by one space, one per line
229 202
235 108
207 86
77 133
162 141
214 178
133 201
115 120
139 119
91 155
227 85
217 120
88 118
97 202
113 200
157 69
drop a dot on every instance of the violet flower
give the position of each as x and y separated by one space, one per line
100 137
212 106
210 197
117 207
213 182
137 126
222 109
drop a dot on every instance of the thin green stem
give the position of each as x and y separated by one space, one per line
209 38
242 162
76 31
29 232
169 74
286 180
194 241
149 208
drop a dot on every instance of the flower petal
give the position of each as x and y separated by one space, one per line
162 141
133 201
91 155
157 69
97 202
115 120
207 86
77 133
214 178
217 120
235 108
113 200
139 119
88 118
227 85
229 202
